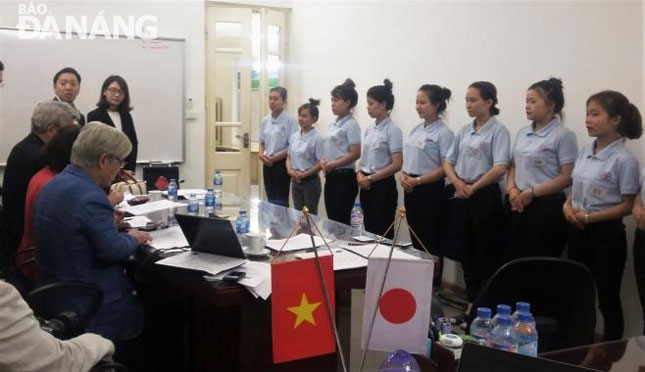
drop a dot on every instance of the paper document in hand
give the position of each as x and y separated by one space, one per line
403 314
171 237
296 243
301 323
210 263
343 260
137 221
380 251
150 207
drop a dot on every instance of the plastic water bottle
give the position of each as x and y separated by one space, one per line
218 183
193 204
502 309
399 361
527 336
481 326
172 190
209 202
503 336
356 220
522 307
242 223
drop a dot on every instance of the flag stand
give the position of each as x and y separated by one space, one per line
401 216
306 216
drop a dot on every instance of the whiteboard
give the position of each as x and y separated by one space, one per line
153 69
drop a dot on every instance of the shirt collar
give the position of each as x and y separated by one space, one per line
608 151
305 136
544 131
485 128
433 127
383 124
340 122
78 171
277 120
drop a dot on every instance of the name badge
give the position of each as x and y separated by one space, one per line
597 192
421 144
537 162
473 153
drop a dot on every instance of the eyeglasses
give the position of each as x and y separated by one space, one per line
122 162
115 91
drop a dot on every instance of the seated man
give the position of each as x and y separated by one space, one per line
23 162
76 236
26 347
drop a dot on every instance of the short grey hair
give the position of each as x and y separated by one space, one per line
96 139
50 113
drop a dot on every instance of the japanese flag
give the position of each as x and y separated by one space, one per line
403 311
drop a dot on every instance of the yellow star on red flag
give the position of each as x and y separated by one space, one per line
304 311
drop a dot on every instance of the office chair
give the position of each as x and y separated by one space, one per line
561 293
67 319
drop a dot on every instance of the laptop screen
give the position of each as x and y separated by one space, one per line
210 235
477 358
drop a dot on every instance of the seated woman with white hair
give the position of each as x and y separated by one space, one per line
77 240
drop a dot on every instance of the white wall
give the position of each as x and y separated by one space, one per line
176 19
591 45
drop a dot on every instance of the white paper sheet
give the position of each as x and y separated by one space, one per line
171 237
210 263
380 251
137 221
150 207
199 193
343 260
296 243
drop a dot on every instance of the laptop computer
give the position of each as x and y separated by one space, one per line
214 245
477 358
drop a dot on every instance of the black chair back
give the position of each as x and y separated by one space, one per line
559 290
73 303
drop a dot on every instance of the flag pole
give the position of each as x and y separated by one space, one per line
387 267
305 212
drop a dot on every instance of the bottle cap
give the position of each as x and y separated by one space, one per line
504 320
523 307
483 312
357 204
210 190
451 340
524 316
503 309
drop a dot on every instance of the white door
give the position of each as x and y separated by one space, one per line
228 88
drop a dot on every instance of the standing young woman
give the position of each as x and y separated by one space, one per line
114 109
276 129
302 159
423 177
475 163
639 245
605 182
541 164
342 147
381 158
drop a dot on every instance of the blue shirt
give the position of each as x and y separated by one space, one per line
538 156
426 146
304 150
77 240
475 153
275 133
380 142
600 180
340 135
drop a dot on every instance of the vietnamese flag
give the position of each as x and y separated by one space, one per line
300 322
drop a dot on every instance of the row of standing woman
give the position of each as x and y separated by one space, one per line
467 219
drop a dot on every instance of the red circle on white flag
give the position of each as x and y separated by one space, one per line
397 305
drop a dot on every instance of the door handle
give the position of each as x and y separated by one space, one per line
245 139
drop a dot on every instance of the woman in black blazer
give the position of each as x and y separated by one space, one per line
114 110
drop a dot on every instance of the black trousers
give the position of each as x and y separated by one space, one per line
379 206
276 183
425 214
602 247
540 230
478 223
639 268
341 188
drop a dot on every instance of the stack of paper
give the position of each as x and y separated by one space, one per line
210 263
171 237
380 251
150 207
257 279
296 243
343 260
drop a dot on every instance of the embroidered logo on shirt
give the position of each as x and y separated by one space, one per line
605 176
